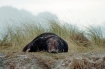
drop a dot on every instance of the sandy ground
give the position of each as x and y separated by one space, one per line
42 60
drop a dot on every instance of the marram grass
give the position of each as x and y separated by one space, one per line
15 38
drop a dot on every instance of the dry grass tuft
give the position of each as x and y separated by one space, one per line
77 64
80 39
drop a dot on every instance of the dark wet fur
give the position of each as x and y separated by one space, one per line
40 43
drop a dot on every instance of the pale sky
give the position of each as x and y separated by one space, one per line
80 12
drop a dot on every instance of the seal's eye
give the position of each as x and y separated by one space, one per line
56 43
48 43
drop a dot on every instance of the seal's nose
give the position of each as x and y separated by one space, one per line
53 51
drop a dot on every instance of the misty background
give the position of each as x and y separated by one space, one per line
80 13
14 17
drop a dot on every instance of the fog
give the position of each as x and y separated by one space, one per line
79 12
83 13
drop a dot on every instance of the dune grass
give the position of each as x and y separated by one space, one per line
96 36
16 37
